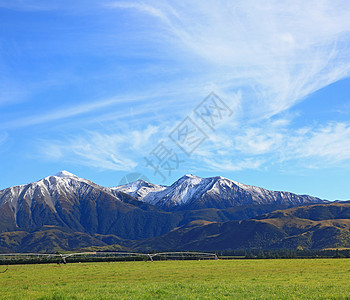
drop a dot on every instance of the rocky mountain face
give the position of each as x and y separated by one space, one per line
67 212
192 192
72 203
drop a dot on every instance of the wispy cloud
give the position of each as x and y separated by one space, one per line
276 53
282 51
155 104
71 111
263 58
330 143
100 150
143 7
319 146
231 165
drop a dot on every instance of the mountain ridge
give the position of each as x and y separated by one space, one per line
294 228
65 211
193 192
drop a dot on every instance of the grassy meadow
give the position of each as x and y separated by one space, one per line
205 279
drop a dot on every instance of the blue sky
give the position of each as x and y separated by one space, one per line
93 87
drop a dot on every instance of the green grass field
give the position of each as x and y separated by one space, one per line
221 279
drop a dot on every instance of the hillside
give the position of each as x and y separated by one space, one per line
312 227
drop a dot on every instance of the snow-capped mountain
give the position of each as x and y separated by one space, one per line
140 189
62 200
64 211
48 190
192 192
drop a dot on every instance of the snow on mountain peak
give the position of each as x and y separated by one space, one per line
139 189
190 176
187 178
65 174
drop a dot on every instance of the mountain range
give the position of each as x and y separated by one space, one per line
65 212
192 192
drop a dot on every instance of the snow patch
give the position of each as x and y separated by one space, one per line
65 174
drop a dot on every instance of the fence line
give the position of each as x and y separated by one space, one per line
62 257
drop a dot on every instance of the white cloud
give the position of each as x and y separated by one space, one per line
258 141
148 9
100 150
141 138
71 111
270 143
274 53
282 50
330 143
222 165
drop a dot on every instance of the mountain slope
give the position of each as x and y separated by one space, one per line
311 227
192 192
67 212
51 239
69 202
